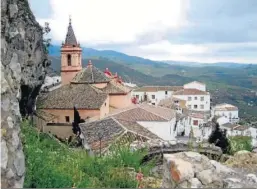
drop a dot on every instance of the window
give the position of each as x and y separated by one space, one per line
202 106
195 97
195 122
189 107
189 98
67 119
105 104
153 96
202 98
153 103
166 92
69 59
137 96
195 106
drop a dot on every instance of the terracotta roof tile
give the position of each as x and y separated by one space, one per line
190 92
163 112
107 128
65 97
90 75
158 88
114 87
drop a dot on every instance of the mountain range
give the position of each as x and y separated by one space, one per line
228 82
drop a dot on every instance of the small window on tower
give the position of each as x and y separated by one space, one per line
69 59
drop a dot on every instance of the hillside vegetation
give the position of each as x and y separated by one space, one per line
51 165
237 85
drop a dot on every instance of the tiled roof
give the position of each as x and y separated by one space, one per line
65 97
197 115
158 88
124 121
70 36
170 103
108 129
90 75
166 113
225 107
45 115
114 87
190 92
241 127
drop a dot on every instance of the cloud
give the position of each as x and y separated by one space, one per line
191 30
113 21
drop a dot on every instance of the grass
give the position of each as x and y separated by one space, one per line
238 143
51 165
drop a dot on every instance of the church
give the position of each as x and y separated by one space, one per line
94 92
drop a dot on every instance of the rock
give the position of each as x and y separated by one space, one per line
252 177
221 168
205 176
193 170
195 183
4 154
23 58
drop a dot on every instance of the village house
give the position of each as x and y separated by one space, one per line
142 122
227 111
154 94
92 91
195 95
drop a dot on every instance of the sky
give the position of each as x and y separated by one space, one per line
204 31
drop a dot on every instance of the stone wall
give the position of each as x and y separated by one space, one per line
23 63
193 170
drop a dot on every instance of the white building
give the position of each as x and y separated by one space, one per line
195 85
226 110
196 99
154 94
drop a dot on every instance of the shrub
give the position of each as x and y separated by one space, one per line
238 143
51 165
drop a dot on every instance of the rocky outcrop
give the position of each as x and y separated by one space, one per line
23 62
193 170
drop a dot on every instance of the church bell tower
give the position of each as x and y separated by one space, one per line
71 56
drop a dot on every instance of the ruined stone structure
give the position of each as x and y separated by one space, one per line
71 59
23 63
193 170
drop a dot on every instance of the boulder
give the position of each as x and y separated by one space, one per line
193 170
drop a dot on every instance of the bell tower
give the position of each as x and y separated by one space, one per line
71 59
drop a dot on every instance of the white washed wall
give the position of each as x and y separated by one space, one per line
206 102
164 130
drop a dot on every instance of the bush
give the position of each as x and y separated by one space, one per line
239 143
51 165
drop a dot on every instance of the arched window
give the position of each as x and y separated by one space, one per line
69 59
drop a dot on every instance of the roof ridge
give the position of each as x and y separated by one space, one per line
154 114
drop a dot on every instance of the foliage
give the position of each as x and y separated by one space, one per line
219 138
46 41
51 165
239 143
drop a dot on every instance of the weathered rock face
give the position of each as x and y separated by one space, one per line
23 62
193 170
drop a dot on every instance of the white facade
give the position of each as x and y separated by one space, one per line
49 81
228 111
195 85
164 130
196 102
222 120
153 97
